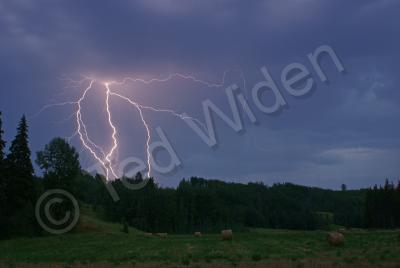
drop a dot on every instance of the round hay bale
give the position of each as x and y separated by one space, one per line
335 239
197 234
162 235
226 234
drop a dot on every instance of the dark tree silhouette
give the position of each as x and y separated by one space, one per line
3 191
19 158
382 206
343 187
60 164
2 142
20 184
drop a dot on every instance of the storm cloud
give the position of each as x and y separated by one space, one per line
346 131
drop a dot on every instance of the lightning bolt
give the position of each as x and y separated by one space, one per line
103 157
86 141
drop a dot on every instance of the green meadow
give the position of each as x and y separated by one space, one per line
97 242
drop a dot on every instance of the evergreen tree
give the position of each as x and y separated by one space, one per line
20 185
19 158
3 191
343 187
2 142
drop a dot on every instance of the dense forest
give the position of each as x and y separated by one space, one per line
196 204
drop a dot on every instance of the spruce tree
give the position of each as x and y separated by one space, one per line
19 158
20 185
2 142
20 182
3 191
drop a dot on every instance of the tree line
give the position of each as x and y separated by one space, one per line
196 204
382 206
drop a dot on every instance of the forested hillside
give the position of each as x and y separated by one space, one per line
211 205
196 204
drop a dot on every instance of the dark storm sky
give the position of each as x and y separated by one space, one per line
346 131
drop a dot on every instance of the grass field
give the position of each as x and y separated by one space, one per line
103 244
